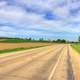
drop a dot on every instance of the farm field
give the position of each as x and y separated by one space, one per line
4 46
14 44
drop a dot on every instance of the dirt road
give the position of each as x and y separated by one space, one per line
55 62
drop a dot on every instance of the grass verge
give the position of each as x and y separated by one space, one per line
76 46
18 49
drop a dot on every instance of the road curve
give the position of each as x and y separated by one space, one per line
53 62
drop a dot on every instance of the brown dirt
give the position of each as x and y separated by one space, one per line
4 46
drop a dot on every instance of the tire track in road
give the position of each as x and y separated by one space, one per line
70 75
11 56
46 68
32 62
25 62
63 68
55 67
75 60
22 56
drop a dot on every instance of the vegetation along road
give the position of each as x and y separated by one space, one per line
54 62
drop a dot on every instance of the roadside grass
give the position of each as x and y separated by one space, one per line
76 46
18 49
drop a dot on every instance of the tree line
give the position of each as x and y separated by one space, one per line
39 40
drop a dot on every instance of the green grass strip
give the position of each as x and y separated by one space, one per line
18 49
77 47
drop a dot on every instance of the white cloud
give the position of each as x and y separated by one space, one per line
3 3
18 16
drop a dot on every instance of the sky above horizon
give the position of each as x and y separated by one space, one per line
50 19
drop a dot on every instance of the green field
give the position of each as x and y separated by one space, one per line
15 41
18 49
18 40
76 46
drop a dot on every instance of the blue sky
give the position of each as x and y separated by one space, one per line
50 19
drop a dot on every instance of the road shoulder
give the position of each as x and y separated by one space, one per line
75 59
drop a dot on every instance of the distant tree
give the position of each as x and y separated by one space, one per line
58 40
53 41
79 39
61 40
41 39
30 39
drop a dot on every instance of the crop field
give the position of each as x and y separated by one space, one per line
4 46
11 44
